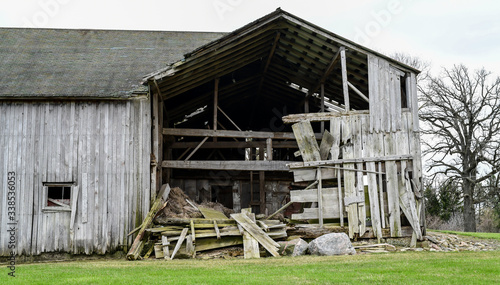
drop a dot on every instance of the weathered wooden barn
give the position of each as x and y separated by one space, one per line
220 129
90 146
75 128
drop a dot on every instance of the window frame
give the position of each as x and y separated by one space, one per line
46 185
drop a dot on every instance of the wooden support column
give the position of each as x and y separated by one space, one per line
216 103
345 86
269 148
320 197
306 105
160 143
156 135
262 185
322 106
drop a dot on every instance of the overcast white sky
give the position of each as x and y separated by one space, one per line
444 32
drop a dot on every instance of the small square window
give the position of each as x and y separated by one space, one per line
57 196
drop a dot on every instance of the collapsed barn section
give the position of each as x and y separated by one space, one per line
253 119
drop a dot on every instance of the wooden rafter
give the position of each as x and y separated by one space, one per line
327 72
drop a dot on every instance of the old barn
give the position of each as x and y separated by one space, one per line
76 129
277 113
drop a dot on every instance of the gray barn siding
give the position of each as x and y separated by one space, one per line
103 147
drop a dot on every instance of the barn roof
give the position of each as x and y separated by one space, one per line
278 59
60 63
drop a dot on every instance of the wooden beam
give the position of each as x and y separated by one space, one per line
343 65
216 99
322 109
229 134
327 72
358 92
232 122
318 117
268 62
274 165
297 165
239 144
196 149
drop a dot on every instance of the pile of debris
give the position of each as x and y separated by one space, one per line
178 228
450 242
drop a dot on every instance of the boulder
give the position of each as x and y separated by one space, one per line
295 247
332 244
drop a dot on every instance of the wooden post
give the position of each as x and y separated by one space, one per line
216 103
159 170
320 197
306 105
156 135
345 86
269 148
322 106
262 185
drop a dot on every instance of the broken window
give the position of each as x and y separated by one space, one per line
57 196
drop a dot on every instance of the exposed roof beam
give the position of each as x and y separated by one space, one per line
358 92
255 165
229 134
327 72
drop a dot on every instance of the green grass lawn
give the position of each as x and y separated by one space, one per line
392 268
476 235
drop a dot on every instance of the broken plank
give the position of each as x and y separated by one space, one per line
217 231
209 213
191 223
306 141
304 196
257 233
134 251
300 175
312 213
326 145
214 243
165 244
179 242
250 246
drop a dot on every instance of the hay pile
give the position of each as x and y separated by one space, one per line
178 207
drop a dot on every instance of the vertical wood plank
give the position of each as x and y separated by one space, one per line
326 145
373 91
320 196
345 87
335 132
358 131
341 197
349 176
306 141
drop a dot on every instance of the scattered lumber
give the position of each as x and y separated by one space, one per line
174 230
135 250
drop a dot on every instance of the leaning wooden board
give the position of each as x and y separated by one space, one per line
257 233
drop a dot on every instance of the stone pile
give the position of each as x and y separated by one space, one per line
449 242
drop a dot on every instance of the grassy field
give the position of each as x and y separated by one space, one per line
495 236
393 268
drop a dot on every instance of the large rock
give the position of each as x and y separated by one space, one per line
295 247
332 244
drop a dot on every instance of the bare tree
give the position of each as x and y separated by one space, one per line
461 122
